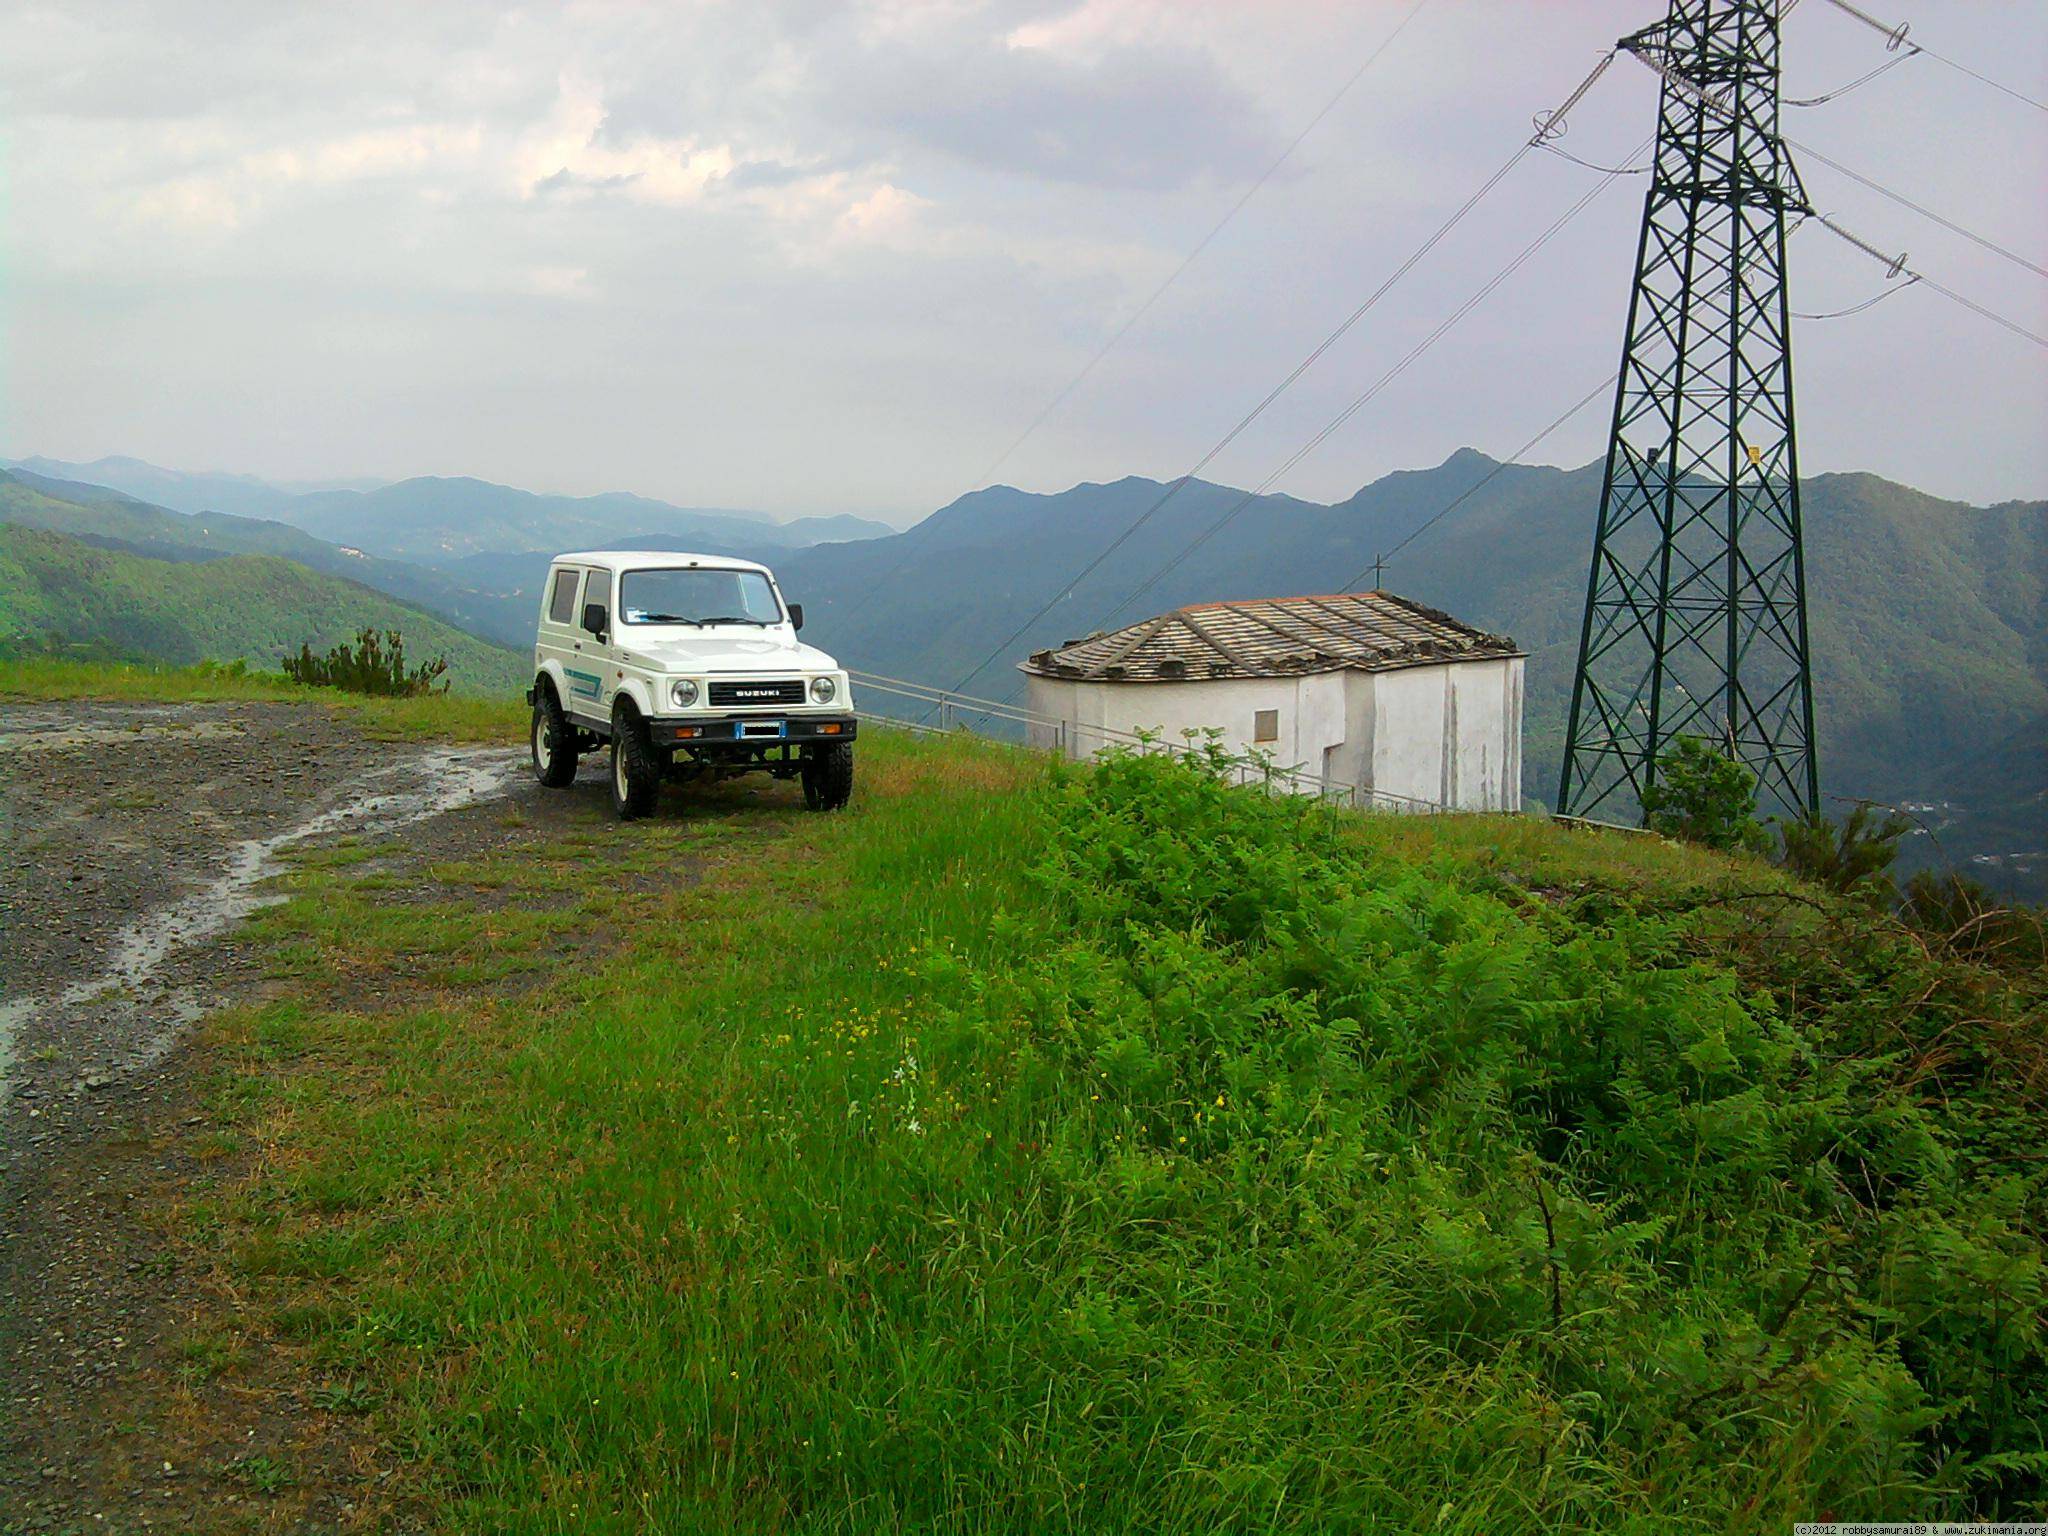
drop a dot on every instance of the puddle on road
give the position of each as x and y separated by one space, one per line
396 795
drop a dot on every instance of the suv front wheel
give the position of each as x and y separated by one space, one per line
636 775
828 776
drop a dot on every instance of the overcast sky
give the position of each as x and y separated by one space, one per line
810 257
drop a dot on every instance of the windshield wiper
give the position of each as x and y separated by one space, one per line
683 618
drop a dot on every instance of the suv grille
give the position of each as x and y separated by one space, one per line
772 690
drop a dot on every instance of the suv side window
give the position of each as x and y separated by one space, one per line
598 590
562 606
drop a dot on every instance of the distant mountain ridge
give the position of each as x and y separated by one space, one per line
182 490
431 519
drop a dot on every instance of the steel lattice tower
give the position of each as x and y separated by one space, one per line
1695 619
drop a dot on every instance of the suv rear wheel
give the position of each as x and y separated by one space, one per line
636 775
554 741
828 776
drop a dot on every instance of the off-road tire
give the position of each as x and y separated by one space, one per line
636 771
828 776
553 741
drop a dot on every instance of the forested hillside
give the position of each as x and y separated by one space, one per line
114 519
256 608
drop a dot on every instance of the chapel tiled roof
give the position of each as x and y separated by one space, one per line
1273 637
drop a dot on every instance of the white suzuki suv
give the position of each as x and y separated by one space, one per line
684 664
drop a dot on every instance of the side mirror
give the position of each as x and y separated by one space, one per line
796 615
593 618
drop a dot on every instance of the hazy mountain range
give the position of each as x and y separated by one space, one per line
430 518
1930 617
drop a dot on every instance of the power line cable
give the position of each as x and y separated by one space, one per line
1896 266
1175 488
1895 38
1856 309
1200 246
1046 411
1925 212
1840 91
1364 399
1545 127
1501 466
1604 170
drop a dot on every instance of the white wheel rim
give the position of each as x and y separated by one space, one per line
619 771
540 740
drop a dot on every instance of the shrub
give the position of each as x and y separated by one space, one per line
1854 857
374 664
1701 796
1726 1231
1964 917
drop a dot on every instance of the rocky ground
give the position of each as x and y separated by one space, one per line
133 839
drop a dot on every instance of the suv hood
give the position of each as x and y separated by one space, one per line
728 652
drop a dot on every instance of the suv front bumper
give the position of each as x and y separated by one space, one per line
754 730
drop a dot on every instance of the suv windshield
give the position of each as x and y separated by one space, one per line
698 595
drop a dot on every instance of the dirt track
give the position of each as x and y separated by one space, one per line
133 838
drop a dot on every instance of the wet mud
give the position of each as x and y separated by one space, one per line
134 838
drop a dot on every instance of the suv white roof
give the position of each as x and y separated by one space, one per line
638 559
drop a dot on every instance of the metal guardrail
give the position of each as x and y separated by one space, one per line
942 711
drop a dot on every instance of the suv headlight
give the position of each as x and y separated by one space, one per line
823 690
683 694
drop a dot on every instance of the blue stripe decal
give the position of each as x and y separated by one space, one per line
582 684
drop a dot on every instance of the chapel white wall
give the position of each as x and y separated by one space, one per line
1448 734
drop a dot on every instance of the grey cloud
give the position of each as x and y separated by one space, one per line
566 180
751 174
1152 119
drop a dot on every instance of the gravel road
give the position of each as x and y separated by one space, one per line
133 838
133 835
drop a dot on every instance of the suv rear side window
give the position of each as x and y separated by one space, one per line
562 606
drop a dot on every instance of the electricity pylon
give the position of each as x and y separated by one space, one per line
1695 619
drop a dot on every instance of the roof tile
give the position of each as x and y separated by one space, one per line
1273 637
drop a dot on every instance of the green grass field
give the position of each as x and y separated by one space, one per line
1036 1151
436 717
